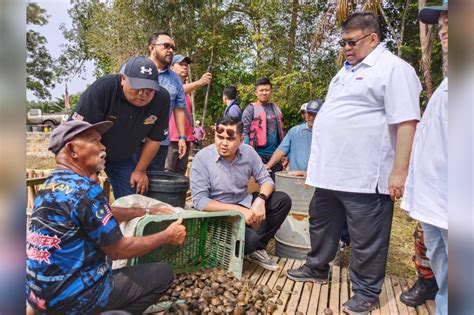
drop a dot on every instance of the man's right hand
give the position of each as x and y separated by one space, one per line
176 232
249 216
205 79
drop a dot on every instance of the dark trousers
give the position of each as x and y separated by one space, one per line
158 163
275 168
173 162
369 221
277 207
138 287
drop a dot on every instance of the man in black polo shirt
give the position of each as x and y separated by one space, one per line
138 107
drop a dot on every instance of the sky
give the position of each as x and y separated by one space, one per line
57 11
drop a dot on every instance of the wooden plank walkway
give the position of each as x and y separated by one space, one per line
307 298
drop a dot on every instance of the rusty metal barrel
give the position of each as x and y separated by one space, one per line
292 239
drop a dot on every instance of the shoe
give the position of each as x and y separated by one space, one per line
261 258
304 273
422 290
358 305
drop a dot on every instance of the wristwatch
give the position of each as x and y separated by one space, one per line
262 196
147 211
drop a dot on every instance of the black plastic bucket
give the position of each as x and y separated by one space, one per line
168 187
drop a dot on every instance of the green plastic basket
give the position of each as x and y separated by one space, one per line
213 239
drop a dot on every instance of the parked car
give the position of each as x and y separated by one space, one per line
36 117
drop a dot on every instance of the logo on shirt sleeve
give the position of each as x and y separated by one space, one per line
150 120
77 116
104 214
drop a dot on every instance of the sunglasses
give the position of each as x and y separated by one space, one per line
351 43
230 132
167 46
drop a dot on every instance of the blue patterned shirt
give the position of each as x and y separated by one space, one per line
66 271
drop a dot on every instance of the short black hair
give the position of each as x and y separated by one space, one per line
155 35
230 92
231 121
362 21
263 81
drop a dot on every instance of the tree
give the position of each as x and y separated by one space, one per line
39 64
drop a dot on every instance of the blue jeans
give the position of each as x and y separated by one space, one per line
119 172
436 241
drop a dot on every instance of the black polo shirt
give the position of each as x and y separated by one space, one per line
105 100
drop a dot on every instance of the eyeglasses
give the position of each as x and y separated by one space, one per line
351 43
167 46
230 132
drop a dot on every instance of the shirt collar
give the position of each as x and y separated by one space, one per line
370 59
164 70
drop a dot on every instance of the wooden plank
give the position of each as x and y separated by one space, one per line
287 291
397 289
277 274
282 278
431 306
344 288
392 303
297 291
305 297
384 310
256 275
314 298
335 288
323 298
248 269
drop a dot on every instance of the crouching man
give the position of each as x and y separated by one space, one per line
73 230
219 177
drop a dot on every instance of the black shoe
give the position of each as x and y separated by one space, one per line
422 290
359 305
304 273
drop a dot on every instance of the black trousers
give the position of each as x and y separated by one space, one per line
138 287
277 207
369 221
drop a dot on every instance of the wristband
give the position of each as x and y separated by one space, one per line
183 138
262 196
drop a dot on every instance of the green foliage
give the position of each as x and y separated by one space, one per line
39 63
247 39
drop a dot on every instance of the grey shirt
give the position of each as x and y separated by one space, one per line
214 178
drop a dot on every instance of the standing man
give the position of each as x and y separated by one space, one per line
359 158
229 97
297 143
426 194
74 233
161 47
263 124
139 108
199 135
174 163
212 190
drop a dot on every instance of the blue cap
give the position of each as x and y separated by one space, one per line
430 14
314 106
179 58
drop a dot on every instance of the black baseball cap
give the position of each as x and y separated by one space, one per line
68 130
430 14
141 72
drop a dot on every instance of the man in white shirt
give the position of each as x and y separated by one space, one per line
426 194
360 150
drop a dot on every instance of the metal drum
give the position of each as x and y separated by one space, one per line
292 239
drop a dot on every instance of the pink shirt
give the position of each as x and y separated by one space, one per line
174 135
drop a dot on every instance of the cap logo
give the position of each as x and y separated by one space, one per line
143 70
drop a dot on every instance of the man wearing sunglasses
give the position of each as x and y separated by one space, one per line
360 151
219 177
162 48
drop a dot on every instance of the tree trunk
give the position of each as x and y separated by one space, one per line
291 48
402 29
426 41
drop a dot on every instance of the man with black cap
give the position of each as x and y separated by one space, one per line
180 65
138 107
426 192
73 230
297 142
